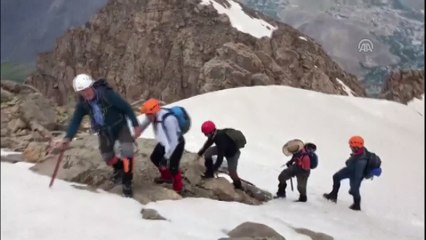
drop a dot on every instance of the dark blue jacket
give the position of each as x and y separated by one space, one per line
114 108
357 163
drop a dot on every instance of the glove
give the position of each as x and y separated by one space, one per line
137 131
63 144
289 163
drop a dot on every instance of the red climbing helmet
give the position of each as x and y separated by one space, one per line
208 127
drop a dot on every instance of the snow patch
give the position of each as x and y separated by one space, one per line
418 105
416 42
345 88
241 21
6 152
303 38
392 130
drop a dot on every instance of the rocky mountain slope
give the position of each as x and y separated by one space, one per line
402 86
173 49
395 28
30 123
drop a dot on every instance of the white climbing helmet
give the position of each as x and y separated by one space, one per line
81 82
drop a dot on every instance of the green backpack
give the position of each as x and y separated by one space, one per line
237 136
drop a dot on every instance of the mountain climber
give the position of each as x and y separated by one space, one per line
299 165
108 112
227 142
171 143
354 170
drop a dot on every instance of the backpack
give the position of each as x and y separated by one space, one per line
237 136
181 115
312 155
314 160
101 85
373 165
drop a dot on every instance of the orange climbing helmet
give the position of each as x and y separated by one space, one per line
151 106
356 141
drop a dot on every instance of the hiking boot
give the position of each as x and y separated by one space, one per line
207 176
117 172
127 191
330 196
237 185
356 206
178 182
117 175
280 195
302 198
281 190
160 180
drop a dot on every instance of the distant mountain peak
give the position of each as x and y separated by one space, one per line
173 49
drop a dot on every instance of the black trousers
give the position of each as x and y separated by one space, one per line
157 156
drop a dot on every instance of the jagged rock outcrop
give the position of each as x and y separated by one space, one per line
174 49
404 85
83 164
253 231
151 214
27 116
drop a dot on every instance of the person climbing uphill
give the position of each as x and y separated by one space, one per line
228 143
168 132
354 170
299 165
108 112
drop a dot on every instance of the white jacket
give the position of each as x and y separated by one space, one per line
167 133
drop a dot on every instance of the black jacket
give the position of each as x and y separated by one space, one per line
225 146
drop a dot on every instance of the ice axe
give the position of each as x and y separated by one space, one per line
55 171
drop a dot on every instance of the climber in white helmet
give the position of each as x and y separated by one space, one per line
108 112
82 84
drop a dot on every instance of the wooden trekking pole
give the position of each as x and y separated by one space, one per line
58 162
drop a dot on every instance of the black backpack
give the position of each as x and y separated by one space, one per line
373 162
312 155
314 160
102 85
237 136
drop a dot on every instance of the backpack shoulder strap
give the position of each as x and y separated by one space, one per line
102 83
163 118
367 166
367 155
169 112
